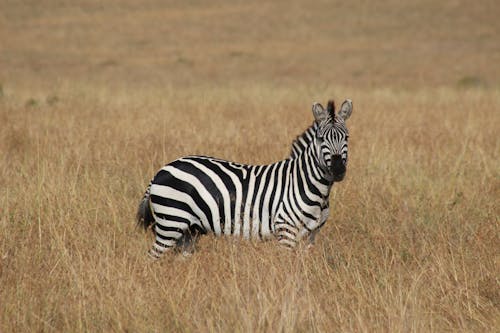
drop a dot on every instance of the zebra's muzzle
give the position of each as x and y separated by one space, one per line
338 178
338 168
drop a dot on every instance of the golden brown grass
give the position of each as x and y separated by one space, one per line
412 243
87 116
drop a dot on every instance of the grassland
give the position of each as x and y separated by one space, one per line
95 98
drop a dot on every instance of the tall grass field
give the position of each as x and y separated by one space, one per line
95 98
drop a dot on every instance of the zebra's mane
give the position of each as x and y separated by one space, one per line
303 140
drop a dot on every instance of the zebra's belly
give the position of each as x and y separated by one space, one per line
249 229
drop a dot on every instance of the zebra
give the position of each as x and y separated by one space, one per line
287 200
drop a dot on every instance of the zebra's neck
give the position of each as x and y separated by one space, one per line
303 140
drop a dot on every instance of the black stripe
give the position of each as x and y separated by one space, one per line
260 204
285 172
168 238
273 193
267 187
258 178
168 202
245 183
172 218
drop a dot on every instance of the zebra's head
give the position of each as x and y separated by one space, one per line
331 138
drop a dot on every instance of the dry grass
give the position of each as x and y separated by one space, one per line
87 116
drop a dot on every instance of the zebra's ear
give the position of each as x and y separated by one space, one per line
345 110
319 112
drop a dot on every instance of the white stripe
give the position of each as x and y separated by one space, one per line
247 208
256 223
279 190
266 203
174 212
173 234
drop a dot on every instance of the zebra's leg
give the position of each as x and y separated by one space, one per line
187 243
312 235
312 238
161 245
286 234
168 233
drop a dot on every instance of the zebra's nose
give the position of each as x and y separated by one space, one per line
337 167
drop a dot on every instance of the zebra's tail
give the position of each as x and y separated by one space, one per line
144 215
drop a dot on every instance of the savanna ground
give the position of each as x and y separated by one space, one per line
95 98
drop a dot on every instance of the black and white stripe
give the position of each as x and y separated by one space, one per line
302 141
287 200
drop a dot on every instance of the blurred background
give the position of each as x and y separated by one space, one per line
361 44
